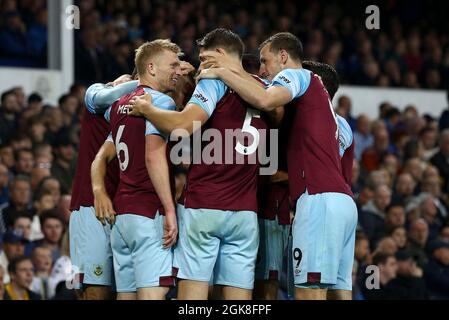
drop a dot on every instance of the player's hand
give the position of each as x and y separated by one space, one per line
186 68
213 73
104 210
215 59
139 104
122 79
170 230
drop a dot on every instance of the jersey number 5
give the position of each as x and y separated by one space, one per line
247 127
121 146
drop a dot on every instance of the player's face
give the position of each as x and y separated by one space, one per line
168 70
270 64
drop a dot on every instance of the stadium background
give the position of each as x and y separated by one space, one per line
394 95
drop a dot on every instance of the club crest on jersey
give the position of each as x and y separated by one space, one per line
98 270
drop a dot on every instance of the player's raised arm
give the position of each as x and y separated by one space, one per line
100 96
249 89
102 203
198 110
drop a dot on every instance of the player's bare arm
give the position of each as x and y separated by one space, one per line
104 209
166 120
157 167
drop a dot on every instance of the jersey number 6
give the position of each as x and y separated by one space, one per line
121 146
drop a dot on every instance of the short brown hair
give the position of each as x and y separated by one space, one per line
285 41
222 38
151 49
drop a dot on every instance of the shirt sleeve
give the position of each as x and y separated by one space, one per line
99 96
107 114
164 102
295 80
208 92
109 138
345 136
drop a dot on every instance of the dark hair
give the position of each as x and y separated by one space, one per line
63 99
393 111
12 266
381 258
222 38
394 205
19 177
251 63
5 94
50 214
19 151
21 214
392 230
34 97
328 75
285 41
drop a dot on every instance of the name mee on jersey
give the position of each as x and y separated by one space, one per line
244 145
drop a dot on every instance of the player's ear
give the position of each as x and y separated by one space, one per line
220 50
151 68
283 55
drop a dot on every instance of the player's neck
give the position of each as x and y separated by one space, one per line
149 82
292 65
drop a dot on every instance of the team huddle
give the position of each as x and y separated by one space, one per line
225 236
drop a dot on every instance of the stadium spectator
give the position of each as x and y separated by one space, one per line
388 267
399 235
395 216
13 247
405 188
42 263
20 198
4 179
2 283
52 228
21 273
437 270
362 136
8 115
7 155
439 160
43 201
63 167
52 186
409 283
418 235
24 161
372 216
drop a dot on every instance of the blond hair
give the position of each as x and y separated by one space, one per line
149 50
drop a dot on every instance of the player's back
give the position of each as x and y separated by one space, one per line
314 161
135 192
230 182
94 131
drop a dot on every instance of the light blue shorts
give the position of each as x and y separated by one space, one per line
90 248
140 261
323 241
273 243
217 244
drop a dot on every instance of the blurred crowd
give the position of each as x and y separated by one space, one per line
400 182
411 49
37 163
